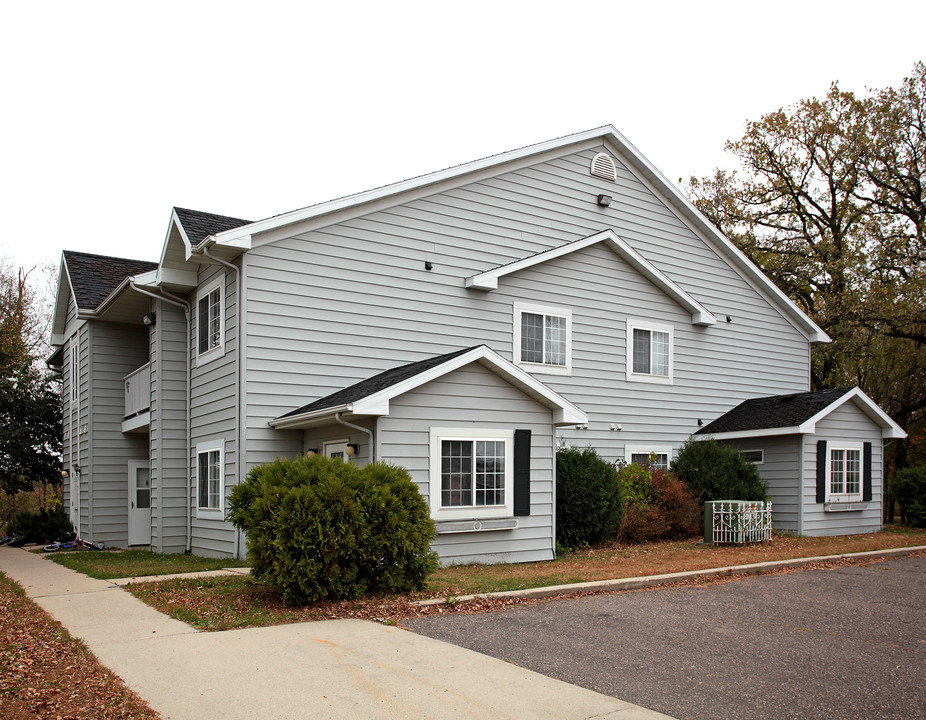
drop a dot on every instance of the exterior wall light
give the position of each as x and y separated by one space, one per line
351 449
604 200
311 452
150 319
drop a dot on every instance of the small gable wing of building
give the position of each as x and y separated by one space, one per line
700 315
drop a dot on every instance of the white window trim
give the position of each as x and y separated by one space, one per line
531 367
204 513
75 369
845 497
760 461
631 450
438 435
219 350
637 324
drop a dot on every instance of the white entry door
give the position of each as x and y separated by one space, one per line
139 503
337 449
74 497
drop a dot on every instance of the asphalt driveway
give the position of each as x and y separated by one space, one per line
843 643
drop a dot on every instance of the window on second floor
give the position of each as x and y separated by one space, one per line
543 339
649 352
210 322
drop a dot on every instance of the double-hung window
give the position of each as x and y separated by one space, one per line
209 478
655 457
649 352
543 338
844 473
209 322
471 473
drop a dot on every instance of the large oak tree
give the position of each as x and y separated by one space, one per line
828 200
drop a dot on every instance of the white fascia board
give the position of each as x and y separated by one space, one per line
175 222
369 196
743 434
111 298
239 242
307 419
889 429
172 276
699 314
813 331
565 413
147 280
60 319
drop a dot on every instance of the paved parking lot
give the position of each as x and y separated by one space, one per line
847 642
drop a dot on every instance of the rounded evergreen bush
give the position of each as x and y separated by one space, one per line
321 529
588 498
714 471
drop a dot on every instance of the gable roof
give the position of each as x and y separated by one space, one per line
241 238
797 413
699 314
371 396
94 277
197 226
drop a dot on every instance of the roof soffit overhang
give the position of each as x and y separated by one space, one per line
62 299
377 404
180 260
699 314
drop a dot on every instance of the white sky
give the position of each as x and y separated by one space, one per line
113 112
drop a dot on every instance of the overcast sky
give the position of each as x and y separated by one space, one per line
113 112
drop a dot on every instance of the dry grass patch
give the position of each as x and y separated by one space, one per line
226 603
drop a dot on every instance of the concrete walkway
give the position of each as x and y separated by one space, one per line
328 669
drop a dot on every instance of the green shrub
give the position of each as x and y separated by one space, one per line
635 483
666 509
908 489
588 498
319 528
714 471
44 526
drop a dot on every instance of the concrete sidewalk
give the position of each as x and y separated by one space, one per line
328 669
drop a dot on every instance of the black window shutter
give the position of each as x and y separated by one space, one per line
866 469
821 471
522 472
202 320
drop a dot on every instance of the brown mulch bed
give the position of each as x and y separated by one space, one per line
45 673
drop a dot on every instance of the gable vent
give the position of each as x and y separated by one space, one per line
603 167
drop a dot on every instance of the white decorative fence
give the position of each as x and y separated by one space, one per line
737 522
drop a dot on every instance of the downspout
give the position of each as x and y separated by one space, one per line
174 300
337 416
240 352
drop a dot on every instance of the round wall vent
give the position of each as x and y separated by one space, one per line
603 166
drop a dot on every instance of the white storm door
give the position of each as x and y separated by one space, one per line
337 449
139 503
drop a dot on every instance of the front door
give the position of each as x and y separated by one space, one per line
139 503
336 449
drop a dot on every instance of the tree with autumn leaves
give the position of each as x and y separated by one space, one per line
828 199
30 413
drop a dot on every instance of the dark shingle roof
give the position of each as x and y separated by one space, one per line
94 277
199 225
773 412
376 383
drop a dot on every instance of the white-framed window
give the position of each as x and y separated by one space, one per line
844 472
543 339
649 352
210 479
654 456
756 457
471 473
210 322
337 449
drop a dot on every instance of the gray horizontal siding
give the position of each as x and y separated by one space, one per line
116 351
781 472
847 423
338 304
473 397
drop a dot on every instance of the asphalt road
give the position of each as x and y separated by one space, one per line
842 643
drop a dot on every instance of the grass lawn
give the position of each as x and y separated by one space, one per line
234 602
110 564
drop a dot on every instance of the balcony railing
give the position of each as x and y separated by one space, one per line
138 391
